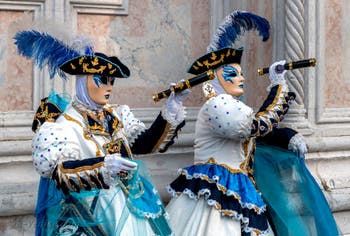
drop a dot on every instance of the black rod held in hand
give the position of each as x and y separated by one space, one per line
290 66
186 84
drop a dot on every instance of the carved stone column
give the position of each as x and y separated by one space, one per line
294 49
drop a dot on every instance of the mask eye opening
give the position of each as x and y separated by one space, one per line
229 72
102 79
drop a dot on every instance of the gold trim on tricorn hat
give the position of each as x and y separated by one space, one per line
215 59
96 64
221 50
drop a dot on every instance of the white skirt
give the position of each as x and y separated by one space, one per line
189 217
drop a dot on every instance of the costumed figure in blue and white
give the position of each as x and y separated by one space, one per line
83 150
219 194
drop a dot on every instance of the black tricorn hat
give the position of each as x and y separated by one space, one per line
215 59
98 63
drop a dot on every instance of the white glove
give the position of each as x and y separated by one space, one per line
115 164
174 101
298 145
275 77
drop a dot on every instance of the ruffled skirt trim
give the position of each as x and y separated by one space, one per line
232 194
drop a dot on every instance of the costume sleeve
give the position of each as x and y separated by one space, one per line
230 118
280 137
272 111
158 137
57 155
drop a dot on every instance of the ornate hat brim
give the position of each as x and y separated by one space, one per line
96 64
215 59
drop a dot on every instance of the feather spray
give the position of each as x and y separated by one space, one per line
234 25
47 50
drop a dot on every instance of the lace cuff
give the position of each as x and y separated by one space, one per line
107 172
277 82
297 144
174 119
133 132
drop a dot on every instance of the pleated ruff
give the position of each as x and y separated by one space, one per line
230 192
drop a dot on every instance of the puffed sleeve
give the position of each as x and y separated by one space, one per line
228 117
56 154
52 144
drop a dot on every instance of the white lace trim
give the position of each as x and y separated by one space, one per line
133 132
295 142
277 82
107 175
174 119
222 188
132 127
234 214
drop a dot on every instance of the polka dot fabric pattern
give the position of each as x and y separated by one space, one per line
49 146
229 117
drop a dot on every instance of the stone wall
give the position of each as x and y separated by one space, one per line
158 40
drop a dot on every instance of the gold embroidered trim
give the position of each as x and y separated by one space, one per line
233 213
93 185
79 180
211 64
273 104
73 66
81 60
213 56
108 108
161 139
95 61
69 118
93 70
113 146
121 184
97 127
277 97
140 187
116 125
224 190
96 173
85 134
81 168
215 60
46 114
212 160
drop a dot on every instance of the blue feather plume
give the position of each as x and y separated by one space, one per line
234 25
45 50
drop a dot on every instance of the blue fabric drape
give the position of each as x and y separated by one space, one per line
48 196
295 202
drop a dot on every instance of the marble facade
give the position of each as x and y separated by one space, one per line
158 40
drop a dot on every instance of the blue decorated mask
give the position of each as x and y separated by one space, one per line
102 79
229 73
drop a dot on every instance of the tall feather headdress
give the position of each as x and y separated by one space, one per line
221 50
49 51
234 25
76 59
